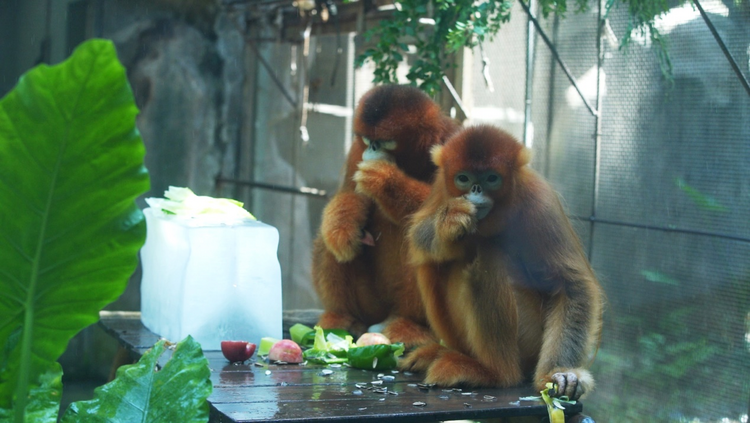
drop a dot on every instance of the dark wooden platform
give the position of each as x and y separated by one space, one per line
259 392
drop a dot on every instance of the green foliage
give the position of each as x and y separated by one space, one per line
676 361
466 23
658 277
44 398
71 166
176 393
702 200
458 23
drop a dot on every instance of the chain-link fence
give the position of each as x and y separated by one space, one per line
658 182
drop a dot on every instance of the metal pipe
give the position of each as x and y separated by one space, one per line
557 57
597 124
723 47
550 104
455 96
271 73
308 191
529 78
661 228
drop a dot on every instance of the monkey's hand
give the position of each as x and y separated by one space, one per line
435 233
420 359
373 176
458 220
573 383
397 194
342 226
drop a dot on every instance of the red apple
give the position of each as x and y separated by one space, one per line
235 351
286 350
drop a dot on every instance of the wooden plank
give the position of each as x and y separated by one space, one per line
385 408
256 391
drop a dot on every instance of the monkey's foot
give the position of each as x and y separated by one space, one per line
573 383
404 330
420 359
453 369
332 320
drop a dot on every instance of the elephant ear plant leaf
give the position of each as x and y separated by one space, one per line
176 393
71 167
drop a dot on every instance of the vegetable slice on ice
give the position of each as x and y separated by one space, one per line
183 202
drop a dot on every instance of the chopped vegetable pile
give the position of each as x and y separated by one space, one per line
335 346
329 346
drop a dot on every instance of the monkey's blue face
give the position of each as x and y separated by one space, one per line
378 149
478 188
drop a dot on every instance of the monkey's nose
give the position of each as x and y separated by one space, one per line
375 145
476 189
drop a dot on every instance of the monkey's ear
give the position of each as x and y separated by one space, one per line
436 152
523 158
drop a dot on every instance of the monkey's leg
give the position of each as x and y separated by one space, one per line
453 368
336 287
420 359
411 333
408 320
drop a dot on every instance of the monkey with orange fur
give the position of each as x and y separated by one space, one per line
360 271
503 276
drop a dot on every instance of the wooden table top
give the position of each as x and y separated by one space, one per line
260 392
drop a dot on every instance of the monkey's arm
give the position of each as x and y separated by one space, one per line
397 194
555 263
342 224
438 227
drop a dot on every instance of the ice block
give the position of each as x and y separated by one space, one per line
210 280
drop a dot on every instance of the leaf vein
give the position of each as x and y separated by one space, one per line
26 147
18 248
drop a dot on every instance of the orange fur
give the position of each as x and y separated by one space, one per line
360 285
512 295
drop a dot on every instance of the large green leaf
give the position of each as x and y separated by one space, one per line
71 166
176 393
44 398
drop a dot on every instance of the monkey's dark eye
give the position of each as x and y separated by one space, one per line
463 180
493 180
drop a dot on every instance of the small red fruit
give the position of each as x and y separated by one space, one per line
286 350
235 351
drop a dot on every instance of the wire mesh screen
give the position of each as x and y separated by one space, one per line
282 157
663 207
